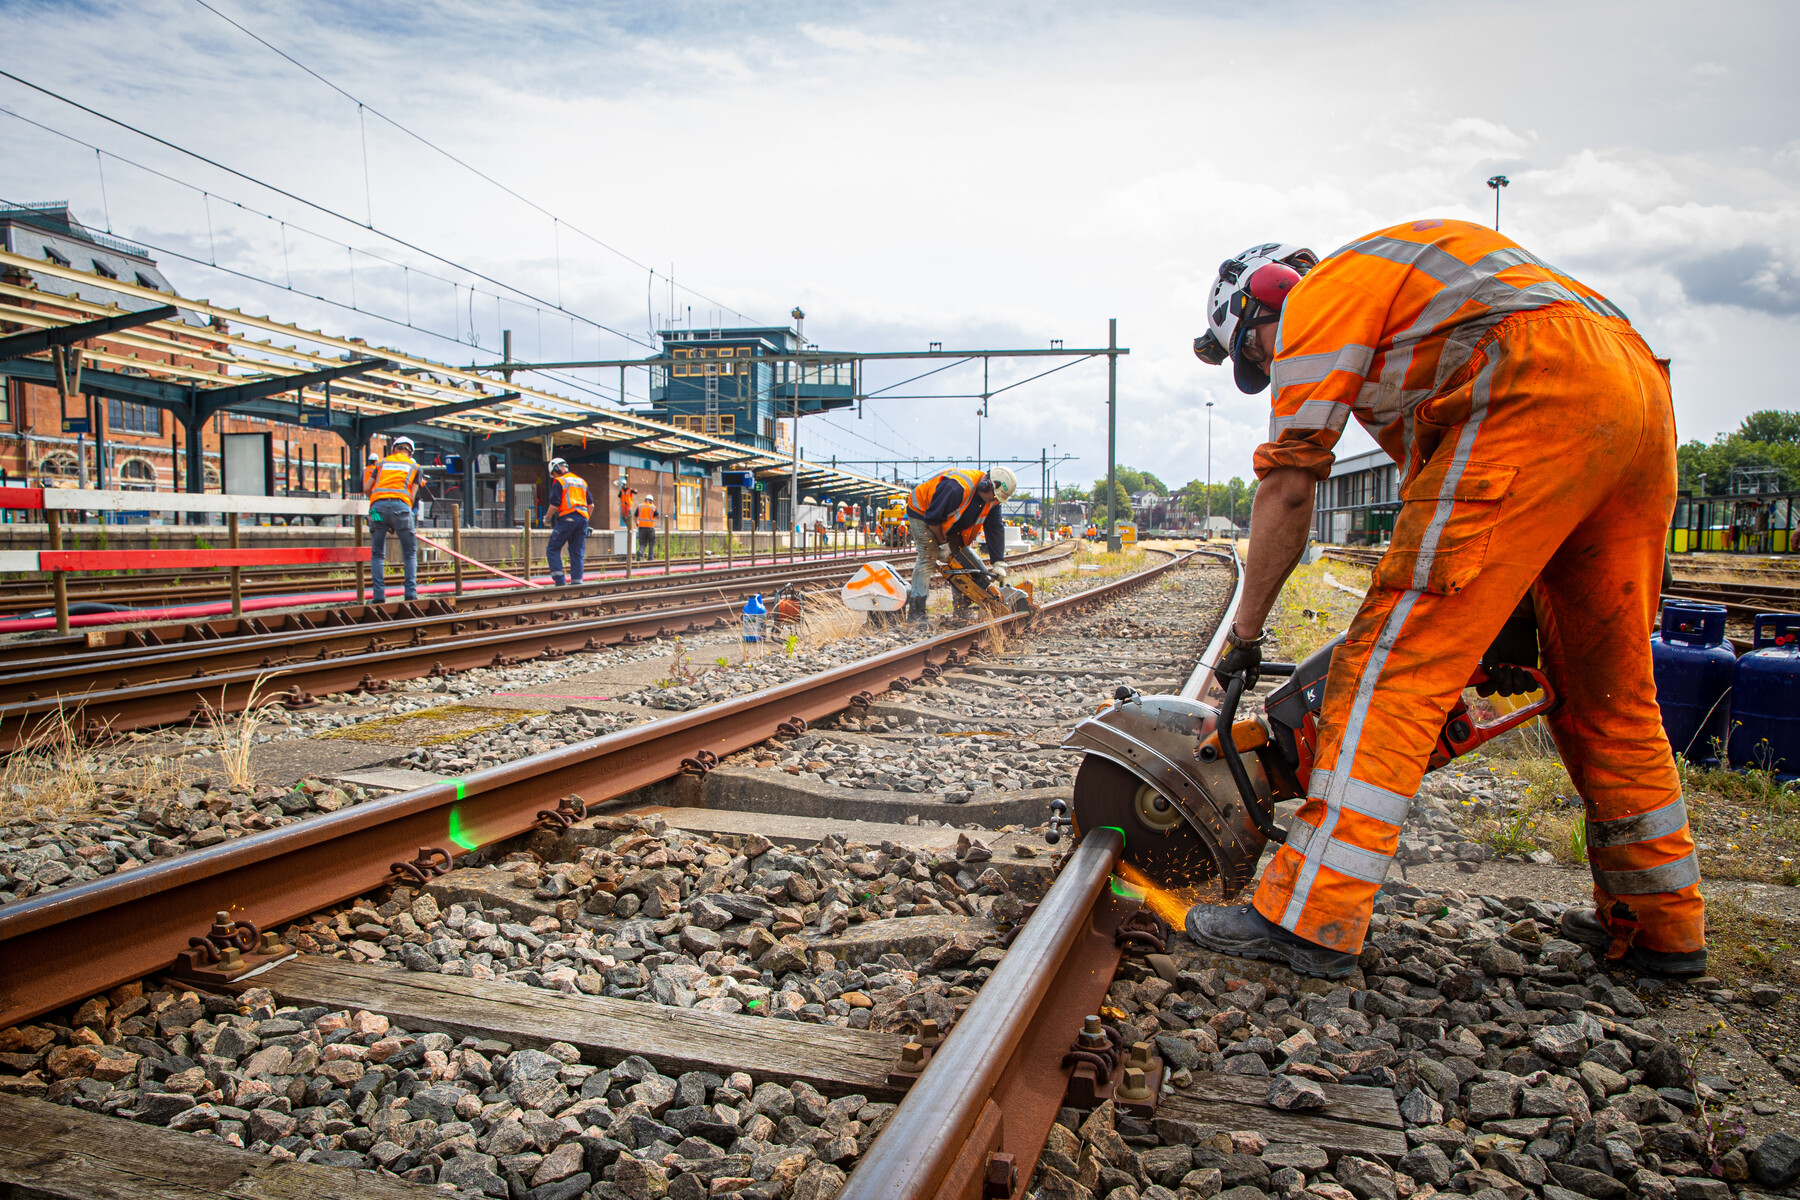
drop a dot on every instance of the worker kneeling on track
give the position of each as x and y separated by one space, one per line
948 509
568 499
392 484
1535 434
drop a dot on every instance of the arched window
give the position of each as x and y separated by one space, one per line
58 467
137 475
212 479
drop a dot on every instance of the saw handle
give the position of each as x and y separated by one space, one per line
1234 761
1462 734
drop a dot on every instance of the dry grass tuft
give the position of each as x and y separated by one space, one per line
237 733
825 619
54 768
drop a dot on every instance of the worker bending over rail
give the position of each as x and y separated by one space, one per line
1535 435
568 502
949 508
392 485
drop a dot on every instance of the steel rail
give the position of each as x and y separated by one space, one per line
143 692
63 946
32 593
944 1138
1200 684
155 634
123 665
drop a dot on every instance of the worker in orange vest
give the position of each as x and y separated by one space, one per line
568 504
949 509
392 484
627 502
1535 434
647 514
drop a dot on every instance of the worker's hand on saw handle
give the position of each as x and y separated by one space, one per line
998 571
1243 656
943 551
1515 650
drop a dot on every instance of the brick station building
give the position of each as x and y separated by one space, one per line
128 447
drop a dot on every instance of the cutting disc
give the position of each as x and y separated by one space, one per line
1159 842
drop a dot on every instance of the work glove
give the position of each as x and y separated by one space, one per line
998 571
943 552
1515 648
1242 657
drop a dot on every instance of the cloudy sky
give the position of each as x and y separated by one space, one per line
993 175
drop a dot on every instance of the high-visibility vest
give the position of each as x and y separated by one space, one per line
395 477
627 498
1385 322
922 496
574 495
647 514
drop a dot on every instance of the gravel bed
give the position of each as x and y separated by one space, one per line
657 915
42 849
1521 1070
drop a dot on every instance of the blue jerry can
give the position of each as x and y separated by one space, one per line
1694 669
1765 699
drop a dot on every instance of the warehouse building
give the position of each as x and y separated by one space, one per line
1356 505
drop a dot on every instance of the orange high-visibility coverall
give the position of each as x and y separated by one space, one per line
1536 438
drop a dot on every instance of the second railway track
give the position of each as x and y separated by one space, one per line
180 674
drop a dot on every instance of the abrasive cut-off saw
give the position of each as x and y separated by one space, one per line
1196 810
976 584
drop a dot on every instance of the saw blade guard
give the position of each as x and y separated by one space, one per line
1186 827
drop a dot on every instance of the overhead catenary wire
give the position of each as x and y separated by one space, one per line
363 105
315 205
207 197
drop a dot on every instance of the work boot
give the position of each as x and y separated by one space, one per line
557 580
1583 926
1242 932
915 611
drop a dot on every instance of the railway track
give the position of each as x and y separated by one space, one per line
909 1113
147 588
183 674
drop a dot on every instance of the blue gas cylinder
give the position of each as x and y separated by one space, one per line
754 612
1765 698
1694 670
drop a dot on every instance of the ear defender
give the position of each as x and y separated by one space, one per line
1270 284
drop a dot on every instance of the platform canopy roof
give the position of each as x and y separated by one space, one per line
255 365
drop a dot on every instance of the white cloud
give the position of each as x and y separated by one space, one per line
980 175
859 41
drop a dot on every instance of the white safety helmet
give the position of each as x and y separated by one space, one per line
557 464
1249 292
401 443
1005 482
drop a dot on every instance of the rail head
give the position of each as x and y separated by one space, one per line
1204 680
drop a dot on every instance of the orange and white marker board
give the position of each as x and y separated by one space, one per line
876 587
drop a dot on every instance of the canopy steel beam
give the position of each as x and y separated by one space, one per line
214 400
18 345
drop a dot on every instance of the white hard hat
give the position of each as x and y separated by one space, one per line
556 464
1005 482
400 441
1250 290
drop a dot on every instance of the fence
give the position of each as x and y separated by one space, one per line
56 561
